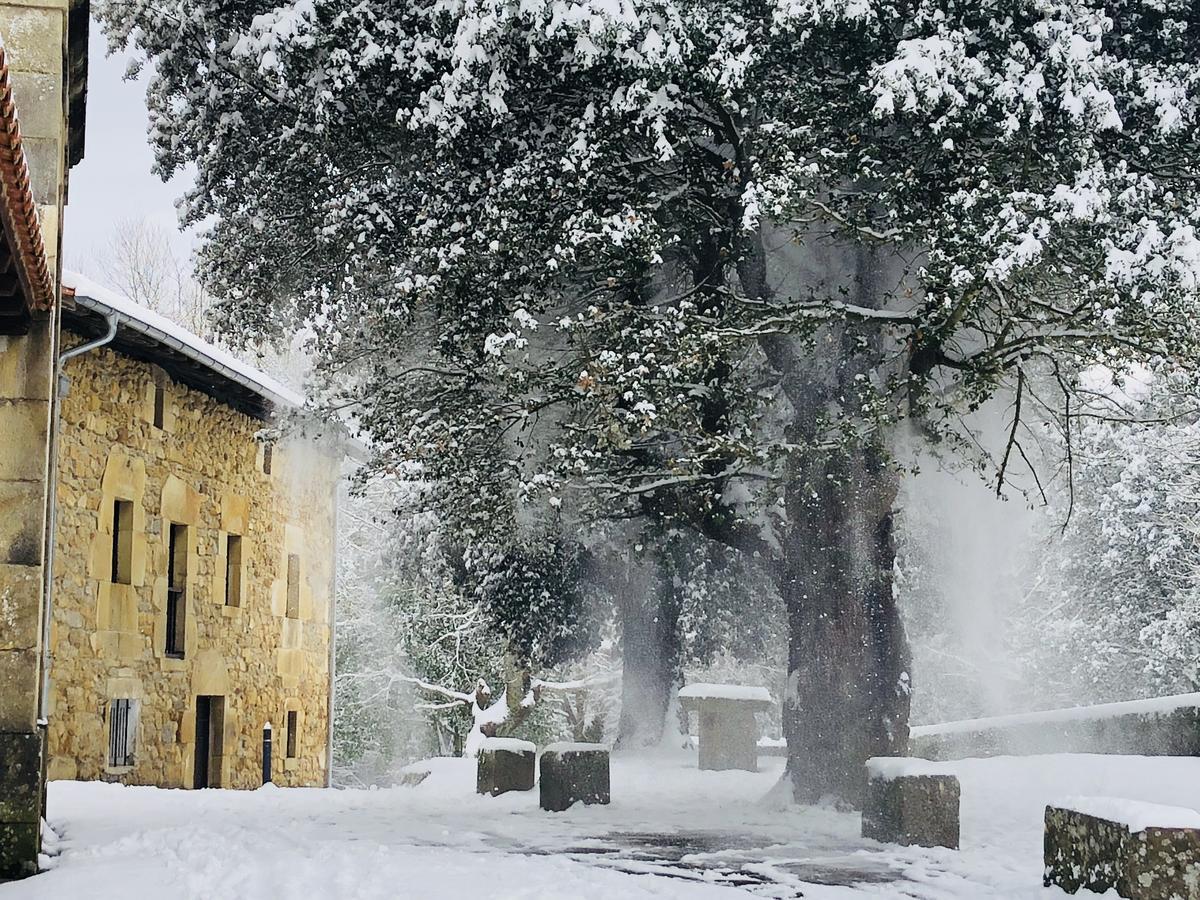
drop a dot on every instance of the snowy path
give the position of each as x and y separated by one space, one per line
671 832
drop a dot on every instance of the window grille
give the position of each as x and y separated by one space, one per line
122 725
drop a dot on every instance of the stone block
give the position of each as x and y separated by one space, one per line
20 605
22 505
505 764
25 425
20 777
19 845
33 38
912 809
573 772
39 98
1083 850
18 690
26 363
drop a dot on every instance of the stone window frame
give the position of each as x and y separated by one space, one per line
234 522
180 504
292 707
178 565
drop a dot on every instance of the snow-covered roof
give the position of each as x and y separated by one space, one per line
725 692
183 348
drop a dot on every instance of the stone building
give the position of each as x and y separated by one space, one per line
192 589
43 79
193 562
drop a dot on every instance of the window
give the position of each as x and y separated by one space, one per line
177 553
267 448
160 401
233 570
291 733
122 542
122 727
210 741
293 586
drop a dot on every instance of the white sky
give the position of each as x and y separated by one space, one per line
114 181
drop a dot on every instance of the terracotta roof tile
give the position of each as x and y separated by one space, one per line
18 210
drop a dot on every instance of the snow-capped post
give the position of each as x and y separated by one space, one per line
266 754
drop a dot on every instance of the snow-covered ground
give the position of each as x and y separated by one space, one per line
670 832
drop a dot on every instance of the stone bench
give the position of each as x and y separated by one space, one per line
505 764
571 773
728 728
1144 851
909 802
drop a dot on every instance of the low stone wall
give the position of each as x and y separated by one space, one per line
504 765
1087 851
573 773
912 809
1152 733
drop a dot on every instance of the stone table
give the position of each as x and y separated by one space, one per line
728 730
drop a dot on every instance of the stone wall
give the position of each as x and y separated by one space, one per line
204 469
1174 733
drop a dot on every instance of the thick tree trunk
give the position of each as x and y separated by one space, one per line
650 657
848 663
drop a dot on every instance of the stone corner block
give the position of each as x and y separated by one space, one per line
19 845
505 765
912 809
573 773
1086 851
20 777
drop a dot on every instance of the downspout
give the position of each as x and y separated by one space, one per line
52 512
337 496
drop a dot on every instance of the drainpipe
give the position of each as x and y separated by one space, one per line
337 496
52 512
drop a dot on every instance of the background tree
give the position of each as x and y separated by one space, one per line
139 261
1110 609
694 262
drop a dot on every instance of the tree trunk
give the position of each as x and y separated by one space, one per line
848 663
650 659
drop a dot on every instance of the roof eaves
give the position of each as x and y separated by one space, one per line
190 351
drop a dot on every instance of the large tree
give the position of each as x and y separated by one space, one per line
690 262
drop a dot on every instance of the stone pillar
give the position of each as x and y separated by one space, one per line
35 39
25 385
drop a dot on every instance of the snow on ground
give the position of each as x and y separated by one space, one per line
671 832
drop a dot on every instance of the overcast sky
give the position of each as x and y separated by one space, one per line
114 181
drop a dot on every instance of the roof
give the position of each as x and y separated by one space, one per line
77 78
25 283
146 335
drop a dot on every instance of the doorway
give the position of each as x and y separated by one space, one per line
210 731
